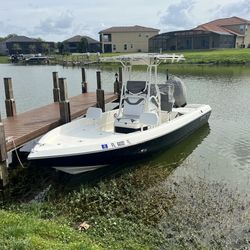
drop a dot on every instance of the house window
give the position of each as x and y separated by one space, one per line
139 34
125 46
241 28
131 46
106 38
114 47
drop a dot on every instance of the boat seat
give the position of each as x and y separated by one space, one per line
136 87
133 107
149 118
94 113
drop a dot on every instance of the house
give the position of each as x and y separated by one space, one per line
26 45
191 39
81 44
126 38
230 32
236 26
3 49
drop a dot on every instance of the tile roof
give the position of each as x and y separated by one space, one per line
230 21
18 39
220 25
135 28
77 39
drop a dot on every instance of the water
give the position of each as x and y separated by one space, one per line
224 154
32 85
217 152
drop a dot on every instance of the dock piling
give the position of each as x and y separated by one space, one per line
116 84
98 80
3 157
64 104
56 89
100 102
84 82
120 82
10 103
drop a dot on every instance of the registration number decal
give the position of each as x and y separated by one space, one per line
116 144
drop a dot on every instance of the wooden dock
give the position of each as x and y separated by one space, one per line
29 125
19 129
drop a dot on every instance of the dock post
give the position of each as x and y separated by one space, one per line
9 101
3 157
98 80
116 84
84 83
64 105
56 89
100 102
120 82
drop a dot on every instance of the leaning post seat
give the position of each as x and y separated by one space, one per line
136 87
133 106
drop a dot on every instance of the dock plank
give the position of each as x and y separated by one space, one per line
29 125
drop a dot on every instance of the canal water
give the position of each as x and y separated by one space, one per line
219 151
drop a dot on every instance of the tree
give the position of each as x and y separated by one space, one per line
32 48
83 45
45 48
10 36
16 48
59 46
39 39
7 37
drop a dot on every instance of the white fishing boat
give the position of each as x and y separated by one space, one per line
151 116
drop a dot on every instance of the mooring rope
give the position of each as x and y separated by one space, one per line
11 139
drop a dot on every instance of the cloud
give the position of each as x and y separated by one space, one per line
56 25
9 29
178 16
240 9
58 19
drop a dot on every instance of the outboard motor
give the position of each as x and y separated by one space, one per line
180 94
167 96
173 94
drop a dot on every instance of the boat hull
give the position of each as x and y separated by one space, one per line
131 152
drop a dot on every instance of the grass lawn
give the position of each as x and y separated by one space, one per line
4 59
22 231
219 56
223 56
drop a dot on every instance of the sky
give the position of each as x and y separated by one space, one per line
58 20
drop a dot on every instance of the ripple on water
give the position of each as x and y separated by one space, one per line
232 141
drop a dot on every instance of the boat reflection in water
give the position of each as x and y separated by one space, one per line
174 157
